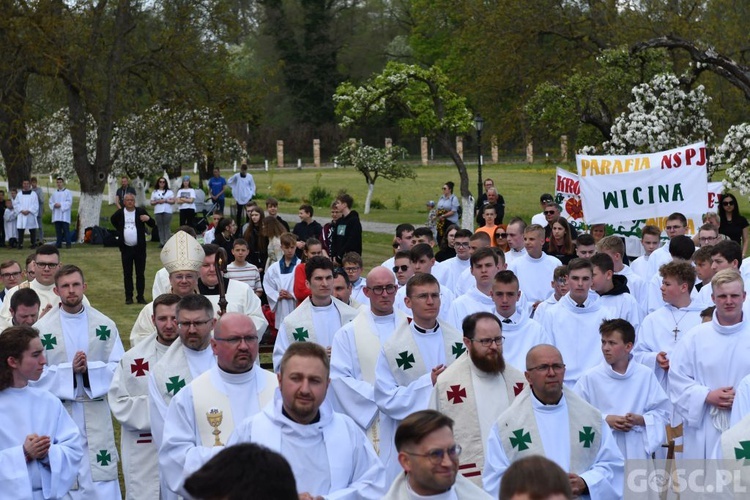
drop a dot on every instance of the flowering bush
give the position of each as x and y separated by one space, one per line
734 153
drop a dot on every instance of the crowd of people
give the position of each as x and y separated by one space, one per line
518 360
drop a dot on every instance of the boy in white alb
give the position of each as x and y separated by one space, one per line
559 286
536 268
613 290
650 239
635 406
279 280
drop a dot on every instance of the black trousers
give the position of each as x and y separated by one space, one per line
133 256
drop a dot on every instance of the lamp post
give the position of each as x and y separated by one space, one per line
479 125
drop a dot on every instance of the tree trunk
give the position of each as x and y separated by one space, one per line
466 198
13 138
467 218
89 208
368 199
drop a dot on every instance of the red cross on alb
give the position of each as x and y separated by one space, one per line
456 394
140 367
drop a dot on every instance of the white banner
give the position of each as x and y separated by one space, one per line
644 186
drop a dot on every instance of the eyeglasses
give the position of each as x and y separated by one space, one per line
501 236
550 212
378 290
706 239
403 268
235 341
461 244
557 368
6 276
196 324
727 203
352 269
47 265
489 342
674 228
183 277
436 456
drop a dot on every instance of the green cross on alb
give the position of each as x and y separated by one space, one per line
743 453
103 457
586 436
519 439
175 384
300 334
458 349
405 360
103 332
49 341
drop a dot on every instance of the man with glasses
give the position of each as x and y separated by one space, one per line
454 266
353 264
83 348
187 358
410 361
423 261
182 257
328 453
355 351
402 267
318 317
476 389
520 331
128 400
676 226
201 417
550 420
10 275
535 269
429 456
47 262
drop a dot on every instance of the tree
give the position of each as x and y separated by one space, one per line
425 105
373 163
734 154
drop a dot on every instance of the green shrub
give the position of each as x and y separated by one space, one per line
397 203
376 204
320 196
281 191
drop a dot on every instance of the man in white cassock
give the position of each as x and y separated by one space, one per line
465 281
40 446
681 249
476 389
708 364
517 249
635 406
485 263
520 332
128 400
423 261
26 205
536 268
355 351
454 266
83 348
278 280
574 322
318 317
217 400
186 359
429 455
182 258
240 297
48 257
550 420
676 226
410 361
329 454
661 330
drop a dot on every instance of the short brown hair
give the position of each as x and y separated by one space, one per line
420 279
537 476
626 330
13 342
305 350
611 243
414 428
683 271
288 240
650 230
67 270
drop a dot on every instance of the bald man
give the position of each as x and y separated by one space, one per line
355 351
535 425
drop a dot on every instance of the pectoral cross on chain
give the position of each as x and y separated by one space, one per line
675 331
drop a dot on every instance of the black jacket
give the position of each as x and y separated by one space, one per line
118 220
347 236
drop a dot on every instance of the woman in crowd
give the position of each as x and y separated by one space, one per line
258 245
186 200
560 243
447 209
272 231
224 236
501 237
162 200
446 244
40 446
733 225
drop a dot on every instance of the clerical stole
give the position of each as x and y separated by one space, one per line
213 410
458 400
405 360
102 334
520 437
299 323
335 437
172 372
367 343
